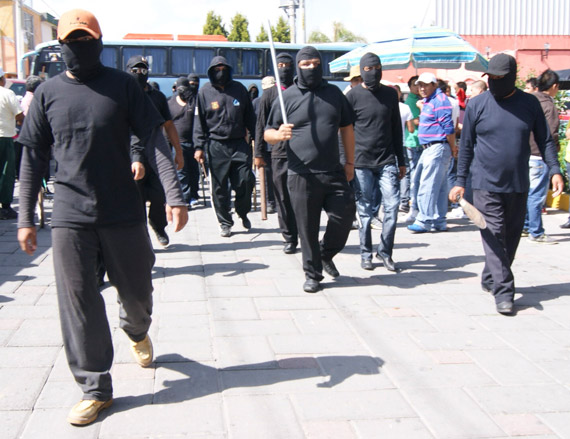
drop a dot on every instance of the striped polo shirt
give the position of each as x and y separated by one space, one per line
435 119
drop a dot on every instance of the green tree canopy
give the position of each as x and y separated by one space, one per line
239 30
342 34
262 35
318 37
214 25
281 31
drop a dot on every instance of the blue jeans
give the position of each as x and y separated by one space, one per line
407 186
431 181
538 174
367 181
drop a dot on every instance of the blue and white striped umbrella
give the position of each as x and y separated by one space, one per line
431 47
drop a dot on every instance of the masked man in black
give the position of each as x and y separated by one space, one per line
378 158
182 107
278 157
149 184
88 113
495 147
316 179
225 113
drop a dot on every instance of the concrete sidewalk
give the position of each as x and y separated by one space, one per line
242 352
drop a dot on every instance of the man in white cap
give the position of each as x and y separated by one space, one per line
88 113
436 134
10 114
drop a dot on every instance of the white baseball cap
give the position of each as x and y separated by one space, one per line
426 78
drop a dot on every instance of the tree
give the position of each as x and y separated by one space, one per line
342 34
318 37
262 36
239 29
281 31
214 25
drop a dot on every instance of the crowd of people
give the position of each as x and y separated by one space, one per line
363 152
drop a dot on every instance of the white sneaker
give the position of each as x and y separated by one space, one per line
542 239
457 213
411 217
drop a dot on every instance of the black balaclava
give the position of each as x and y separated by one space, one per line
502 64
192 77
500 88
309 78
371 78
183 89
82 58
220 78
253 92
286 73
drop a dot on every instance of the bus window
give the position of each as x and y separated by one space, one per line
202 58
110 57
182 61
251 62
326 58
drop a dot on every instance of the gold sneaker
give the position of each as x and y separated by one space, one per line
86 411
142 351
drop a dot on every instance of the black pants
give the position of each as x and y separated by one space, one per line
230 161
151 190
285 213
504 214
189 175
128 257
310 193
270 193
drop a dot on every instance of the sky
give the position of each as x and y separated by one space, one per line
371 19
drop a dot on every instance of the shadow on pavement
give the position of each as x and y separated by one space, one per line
532 297
201 380
4 299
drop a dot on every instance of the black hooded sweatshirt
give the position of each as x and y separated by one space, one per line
224 113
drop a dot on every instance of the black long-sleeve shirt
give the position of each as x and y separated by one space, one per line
279 150
223 114
377 128
495 142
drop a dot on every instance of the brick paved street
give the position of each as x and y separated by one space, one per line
242 352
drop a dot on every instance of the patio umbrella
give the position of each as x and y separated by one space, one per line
431 47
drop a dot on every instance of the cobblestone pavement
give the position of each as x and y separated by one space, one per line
242 352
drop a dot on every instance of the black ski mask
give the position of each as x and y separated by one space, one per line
140 77
500 88
196 79
309 78
82 58
286 73
506 66
371 78
221 77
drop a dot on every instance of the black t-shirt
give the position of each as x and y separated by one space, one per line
183 118
316 115
279 150
495 142
223 114
159 101
377 127
89 126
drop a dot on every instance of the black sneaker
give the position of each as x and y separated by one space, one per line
225 231
246 223
162 238
8 213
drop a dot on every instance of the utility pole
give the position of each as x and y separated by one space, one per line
302 19
290 7
18 36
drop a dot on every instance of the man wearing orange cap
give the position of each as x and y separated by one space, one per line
88 113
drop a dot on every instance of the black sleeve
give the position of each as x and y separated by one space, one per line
467 144
346 112
545 142
161 104
137 150
36 131
142 114
201 134
397 135
159 159
262 116
32 169
249 116
275 119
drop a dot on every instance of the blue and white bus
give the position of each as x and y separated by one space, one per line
172 59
